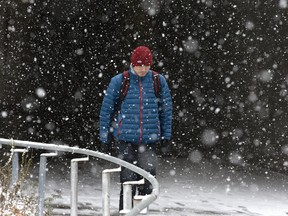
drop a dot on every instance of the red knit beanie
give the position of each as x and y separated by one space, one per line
141 56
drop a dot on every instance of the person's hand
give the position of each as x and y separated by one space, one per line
106 148
165 148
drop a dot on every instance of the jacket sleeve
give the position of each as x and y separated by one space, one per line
165 110
108 108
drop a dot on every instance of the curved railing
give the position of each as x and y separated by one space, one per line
62 148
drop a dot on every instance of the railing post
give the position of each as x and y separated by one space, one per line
15 165
42 180
106 189
127 195
74 184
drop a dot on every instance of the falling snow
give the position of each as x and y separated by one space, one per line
225 63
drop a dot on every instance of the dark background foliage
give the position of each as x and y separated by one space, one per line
225 62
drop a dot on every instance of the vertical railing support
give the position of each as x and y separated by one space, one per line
42 180
106 178
15 165
127 195
74 184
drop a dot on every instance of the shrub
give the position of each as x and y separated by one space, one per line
15 199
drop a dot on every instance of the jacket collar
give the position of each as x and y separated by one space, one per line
133 73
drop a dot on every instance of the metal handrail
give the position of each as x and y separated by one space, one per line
55 148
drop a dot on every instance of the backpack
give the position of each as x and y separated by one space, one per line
126 83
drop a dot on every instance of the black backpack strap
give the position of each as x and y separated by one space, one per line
156 83
124 86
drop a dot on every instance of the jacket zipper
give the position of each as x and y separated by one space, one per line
141 112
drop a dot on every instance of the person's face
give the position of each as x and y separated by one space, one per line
141 70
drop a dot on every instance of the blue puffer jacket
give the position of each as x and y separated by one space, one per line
139 119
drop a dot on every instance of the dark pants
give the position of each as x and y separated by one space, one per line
143 156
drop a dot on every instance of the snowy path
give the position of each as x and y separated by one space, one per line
186 189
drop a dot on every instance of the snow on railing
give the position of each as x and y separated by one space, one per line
144 203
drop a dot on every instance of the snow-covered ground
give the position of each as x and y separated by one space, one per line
186 189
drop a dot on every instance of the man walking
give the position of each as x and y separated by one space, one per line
141 101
